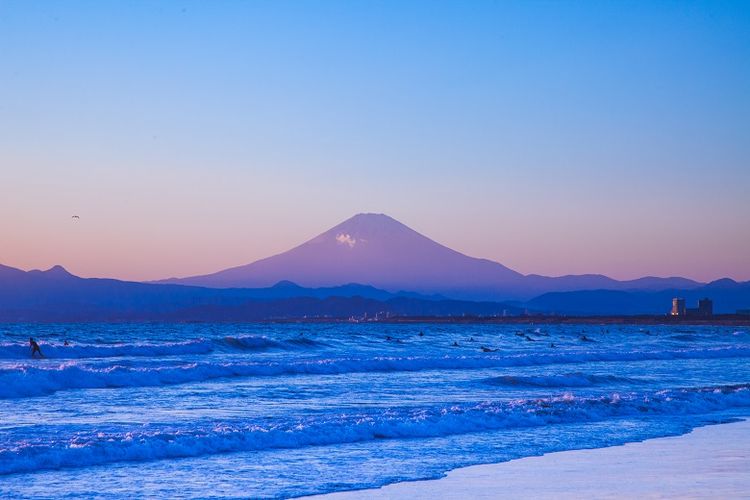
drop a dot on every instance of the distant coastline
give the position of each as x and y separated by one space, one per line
55 295
718 320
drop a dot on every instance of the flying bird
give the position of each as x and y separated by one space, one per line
75 217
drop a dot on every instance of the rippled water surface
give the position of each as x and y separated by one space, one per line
279 410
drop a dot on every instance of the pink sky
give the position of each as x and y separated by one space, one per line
555 139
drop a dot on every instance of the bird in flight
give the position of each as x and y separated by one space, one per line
75 217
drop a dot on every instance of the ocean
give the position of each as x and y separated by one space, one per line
285 410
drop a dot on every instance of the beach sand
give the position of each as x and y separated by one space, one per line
710 462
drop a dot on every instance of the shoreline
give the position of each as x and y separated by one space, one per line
712 461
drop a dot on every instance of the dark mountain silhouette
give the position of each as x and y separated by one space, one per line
56 295
377 250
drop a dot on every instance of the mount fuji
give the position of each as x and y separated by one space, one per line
377 250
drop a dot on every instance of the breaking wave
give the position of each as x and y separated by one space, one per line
82 351
90 447
199 346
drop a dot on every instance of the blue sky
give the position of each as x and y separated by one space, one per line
554 137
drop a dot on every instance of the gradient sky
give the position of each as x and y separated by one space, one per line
554 137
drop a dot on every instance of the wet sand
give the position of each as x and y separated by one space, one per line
709 462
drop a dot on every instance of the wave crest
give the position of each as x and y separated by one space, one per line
153 349
87 448
39 378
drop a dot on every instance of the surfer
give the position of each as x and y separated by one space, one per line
487 349
455 344
35 348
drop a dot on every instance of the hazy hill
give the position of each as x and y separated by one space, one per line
56 295
728 296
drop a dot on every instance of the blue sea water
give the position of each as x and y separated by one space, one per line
282 410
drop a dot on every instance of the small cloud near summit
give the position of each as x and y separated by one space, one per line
346 239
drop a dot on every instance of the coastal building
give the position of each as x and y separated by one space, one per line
678 307
706 307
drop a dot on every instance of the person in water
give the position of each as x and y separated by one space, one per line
35 348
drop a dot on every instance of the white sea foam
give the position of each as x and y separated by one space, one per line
85 448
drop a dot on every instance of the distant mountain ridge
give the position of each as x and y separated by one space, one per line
377 250
728 297
56 295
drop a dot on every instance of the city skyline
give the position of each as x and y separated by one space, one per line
189 138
